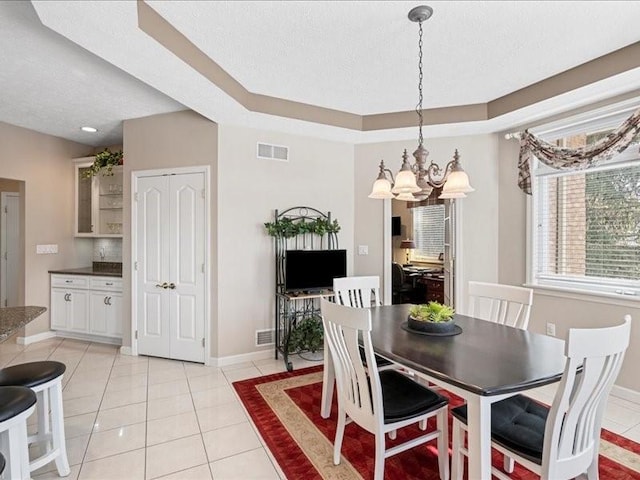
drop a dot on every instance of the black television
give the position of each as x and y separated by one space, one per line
312 270
396 226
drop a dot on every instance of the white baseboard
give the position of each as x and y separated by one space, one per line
626 394
38 337
125 350
235 359
89 338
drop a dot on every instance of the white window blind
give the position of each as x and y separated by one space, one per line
428 232
587 227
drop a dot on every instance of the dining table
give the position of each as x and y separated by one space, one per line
484 363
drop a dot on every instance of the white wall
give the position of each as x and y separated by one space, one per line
479 236
319 174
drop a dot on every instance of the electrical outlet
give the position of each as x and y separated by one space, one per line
551 329
363 249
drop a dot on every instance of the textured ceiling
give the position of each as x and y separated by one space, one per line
52 85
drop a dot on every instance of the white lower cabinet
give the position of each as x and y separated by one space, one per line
86 306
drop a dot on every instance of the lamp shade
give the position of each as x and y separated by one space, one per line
457 182
407 197
410 244
381 189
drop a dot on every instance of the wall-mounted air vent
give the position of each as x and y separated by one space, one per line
265 337
273 152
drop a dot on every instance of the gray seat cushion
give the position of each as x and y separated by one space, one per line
14 401
517 424
31 374
403 398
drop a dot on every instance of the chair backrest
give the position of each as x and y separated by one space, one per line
357 291
504 304
572 431
397 275
359 390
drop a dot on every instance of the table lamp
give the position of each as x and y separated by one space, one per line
408 245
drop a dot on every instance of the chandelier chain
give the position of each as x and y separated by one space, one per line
419 106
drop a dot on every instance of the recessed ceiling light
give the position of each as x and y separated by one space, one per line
89 129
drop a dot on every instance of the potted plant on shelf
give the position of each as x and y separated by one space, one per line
104 163
432 317
287 228
307 335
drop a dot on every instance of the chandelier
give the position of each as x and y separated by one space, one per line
416 182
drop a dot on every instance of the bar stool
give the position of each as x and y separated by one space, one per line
45 380
16 405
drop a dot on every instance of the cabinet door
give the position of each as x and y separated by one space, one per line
98 313
79 316
114 315
59 309
84 200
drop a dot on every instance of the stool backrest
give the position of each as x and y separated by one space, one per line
572 431
357 291
504 304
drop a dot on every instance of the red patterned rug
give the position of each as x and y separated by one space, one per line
285 407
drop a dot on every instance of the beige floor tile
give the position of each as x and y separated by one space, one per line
113 442
120 416
214 397
207 382
167 407
129 465
622 415
78 388
623 402
254 464
128 382
633 434
127 359
169 389
242 374
79 425
122 370
196 473
53 475
221 416
237 366
614 427
227 441
164 376
171 428
197 370
175 456
103 348
79 406
124 397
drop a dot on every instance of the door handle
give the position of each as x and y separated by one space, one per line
105 301
66 297
172 286
108 300
165 285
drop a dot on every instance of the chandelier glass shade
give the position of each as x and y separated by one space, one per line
416 182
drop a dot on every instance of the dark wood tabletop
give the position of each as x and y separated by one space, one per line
486 358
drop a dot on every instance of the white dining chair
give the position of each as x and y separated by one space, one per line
504 304
560 442
379 402
357 292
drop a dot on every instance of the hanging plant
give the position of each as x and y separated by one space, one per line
104 163
287 228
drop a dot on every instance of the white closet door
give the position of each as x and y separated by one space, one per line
186 266
171 252
153 267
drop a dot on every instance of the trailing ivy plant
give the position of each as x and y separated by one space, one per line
104 163
288 228
307 335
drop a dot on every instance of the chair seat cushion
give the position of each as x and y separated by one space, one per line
31 374
14 401
380 361
517 424
403 398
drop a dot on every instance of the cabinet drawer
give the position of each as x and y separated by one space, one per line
75 281
109 284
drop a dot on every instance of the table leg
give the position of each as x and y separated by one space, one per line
479 437
328 381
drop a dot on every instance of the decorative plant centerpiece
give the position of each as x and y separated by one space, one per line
432 317
104 163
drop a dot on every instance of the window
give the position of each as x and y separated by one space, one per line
586 224
428 232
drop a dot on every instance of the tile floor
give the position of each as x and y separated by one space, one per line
142 418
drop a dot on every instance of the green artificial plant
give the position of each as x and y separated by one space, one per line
431 312
288 228
307 335
104 163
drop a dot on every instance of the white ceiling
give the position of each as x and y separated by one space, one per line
52 85
355 56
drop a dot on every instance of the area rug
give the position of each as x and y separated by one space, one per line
285 407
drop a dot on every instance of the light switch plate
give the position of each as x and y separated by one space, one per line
363 249
46 249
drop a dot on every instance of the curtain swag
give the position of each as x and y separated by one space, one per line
573 159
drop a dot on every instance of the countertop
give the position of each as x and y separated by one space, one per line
14 318
98 269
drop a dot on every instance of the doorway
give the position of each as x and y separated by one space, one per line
170 238
11 254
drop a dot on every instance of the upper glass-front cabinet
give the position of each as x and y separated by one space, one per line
98 202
